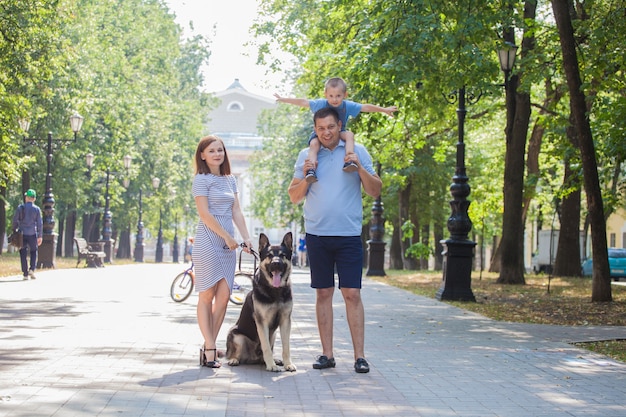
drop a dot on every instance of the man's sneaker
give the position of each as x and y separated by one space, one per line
350 167
31 274
25 277
361 366
324 362
310 176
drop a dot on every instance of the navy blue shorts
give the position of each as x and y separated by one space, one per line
345 253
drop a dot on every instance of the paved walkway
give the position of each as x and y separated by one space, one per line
110 342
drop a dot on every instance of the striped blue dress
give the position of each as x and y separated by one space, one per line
211 261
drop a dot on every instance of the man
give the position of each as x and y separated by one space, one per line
333 213
27 218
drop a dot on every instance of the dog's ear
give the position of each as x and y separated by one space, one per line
264 242
288 243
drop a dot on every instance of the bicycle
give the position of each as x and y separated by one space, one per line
243 280
182 286
183 283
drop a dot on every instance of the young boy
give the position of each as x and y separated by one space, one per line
335 94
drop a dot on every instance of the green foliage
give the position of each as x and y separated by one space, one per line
396 53
125 68
416 250
30 53
286 131
419 251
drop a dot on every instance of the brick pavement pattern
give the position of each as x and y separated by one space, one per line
110 342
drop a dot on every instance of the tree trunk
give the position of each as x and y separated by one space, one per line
395 257
553 96
512 243
567 261
4 220
60 240
494 263
518 119
439 236
601 282
90 227
404 210
425 235
410 262
70 229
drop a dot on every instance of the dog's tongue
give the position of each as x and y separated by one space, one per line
276 279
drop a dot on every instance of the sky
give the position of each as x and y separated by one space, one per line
227 24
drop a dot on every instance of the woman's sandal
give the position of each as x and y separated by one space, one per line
209 364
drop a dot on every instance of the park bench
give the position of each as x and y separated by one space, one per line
86 252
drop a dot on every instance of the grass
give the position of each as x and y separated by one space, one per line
10 263
568 302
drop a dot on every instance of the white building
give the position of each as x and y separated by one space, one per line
235 121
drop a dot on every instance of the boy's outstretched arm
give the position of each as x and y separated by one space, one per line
302 102
373 108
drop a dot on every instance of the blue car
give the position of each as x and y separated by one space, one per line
617 264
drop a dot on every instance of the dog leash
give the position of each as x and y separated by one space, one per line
243 245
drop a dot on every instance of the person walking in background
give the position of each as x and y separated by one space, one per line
189 249
335 94
333 214
27 219
214 256
302 250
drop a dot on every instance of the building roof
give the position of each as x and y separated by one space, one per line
238 111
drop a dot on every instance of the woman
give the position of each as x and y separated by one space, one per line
214 256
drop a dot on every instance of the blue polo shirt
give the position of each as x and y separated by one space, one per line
333 205
346 110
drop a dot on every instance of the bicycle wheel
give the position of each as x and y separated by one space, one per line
182 286
242 286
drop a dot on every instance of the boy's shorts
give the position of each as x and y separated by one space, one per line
327 253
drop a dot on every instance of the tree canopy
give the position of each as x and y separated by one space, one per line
411 53
125 67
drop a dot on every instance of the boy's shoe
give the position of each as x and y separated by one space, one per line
31 274
310 176
350 167
361 366
25 277
324 362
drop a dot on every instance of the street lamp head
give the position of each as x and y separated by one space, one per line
156 182
127 161
76 122
89 160
506 55
24 124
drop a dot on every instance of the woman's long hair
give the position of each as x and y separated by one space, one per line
201 166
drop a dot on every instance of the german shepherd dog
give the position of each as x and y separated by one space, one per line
266 308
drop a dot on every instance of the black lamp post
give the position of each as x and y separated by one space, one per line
376 245
47 250
158 256
175 248
107 220
186 210
459 249
139 245
139 238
